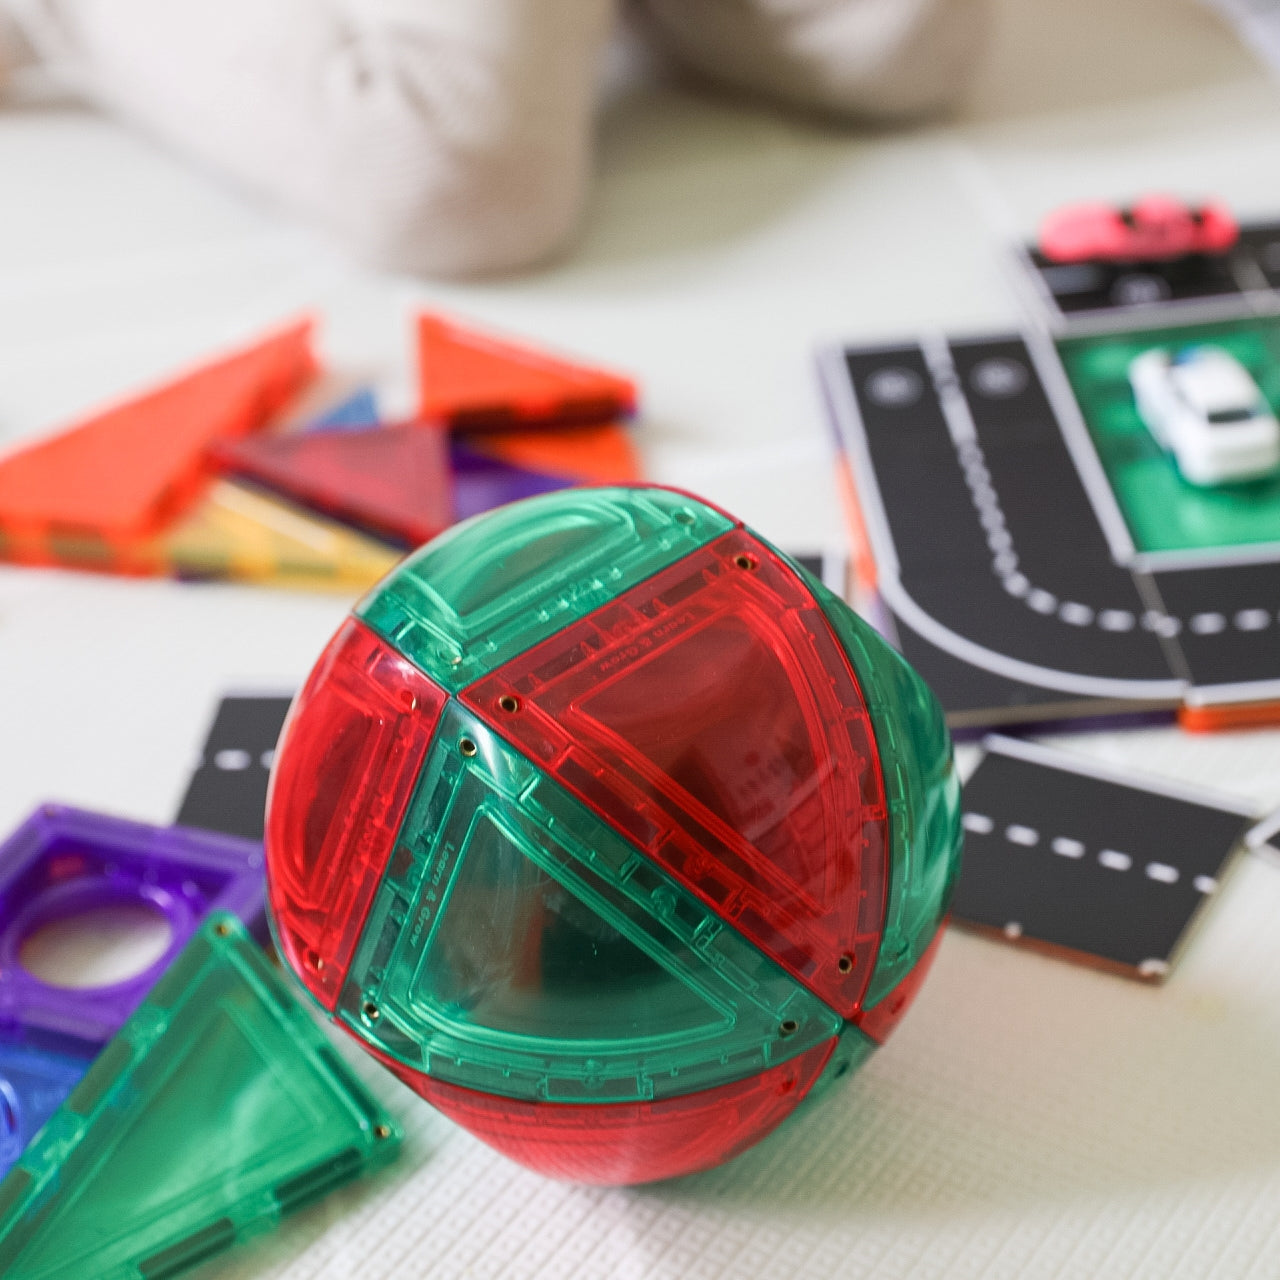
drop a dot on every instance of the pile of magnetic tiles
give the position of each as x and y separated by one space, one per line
197 479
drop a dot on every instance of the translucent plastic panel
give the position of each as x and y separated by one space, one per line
922 788
481 483
125 472
711 716
631 1142
33 1084
479 380
520 947
218 1108
392 481
239 533
583 454
62 863
519 953
491 587
346 766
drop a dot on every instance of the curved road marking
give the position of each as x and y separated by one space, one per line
1004 564
844 406
929 628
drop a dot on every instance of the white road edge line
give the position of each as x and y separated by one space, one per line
1208 558
1156 691
1263 831
1075 433
1212 695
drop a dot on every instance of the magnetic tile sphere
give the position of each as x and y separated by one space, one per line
612 832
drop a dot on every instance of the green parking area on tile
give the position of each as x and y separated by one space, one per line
1163 511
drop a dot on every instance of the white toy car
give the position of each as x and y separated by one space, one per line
1203 407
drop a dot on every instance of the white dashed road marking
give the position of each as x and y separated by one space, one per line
1069 847
1208 624
1116 620
1161 623
894 387
1000 377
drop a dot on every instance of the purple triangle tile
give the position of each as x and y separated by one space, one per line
481 483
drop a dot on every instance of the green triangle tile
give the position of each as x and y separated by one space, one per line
218 1108
518 946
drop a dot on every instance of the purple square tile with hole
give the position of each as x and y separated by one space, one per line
63 863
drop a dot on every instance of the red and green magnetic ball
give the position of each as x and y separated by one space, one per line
611 832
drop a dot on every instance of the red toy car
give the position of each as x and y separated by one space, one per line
1156 229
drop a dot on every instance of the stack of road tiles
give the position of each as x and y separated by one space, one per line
1032 547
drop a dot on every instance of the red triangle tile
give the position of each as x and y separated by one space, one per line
710 716
393 480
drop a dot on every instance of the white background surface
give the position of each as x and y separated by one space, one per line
1030 1118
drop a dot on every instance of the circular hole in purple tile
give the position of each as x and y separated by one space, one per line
99 946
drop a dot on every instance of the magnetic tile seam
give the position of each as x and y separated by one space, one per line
1005 561
456 697
1069 847
758 548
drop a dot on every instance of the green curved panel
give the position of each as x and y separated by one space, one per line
519 947
498 584
922 790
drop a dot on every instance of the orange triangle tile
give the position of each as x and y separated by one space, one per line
474 380
585 455
128 470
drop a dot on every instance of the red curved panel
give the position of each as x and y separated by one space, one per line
345 771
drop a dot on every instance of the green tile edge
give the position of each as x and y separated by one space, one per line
494 586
